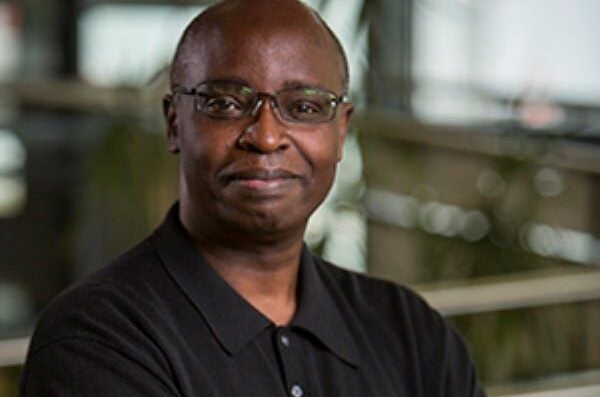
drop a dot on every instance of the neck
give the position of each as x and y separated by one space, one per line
263 271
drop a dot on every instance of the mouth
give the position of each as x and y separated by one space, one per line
261 179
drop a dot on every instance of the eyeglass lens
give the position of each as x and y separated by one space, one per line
234 101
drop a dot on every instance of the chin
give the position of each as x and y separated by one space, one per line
271 220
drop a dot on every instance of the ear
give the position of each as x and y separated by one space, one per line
170 115
343 126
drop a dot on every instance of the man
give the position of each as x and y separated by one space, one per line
224 299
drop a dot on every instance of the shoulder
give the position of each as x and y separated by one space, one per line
399 316
108 300
111 325
384 298
393 312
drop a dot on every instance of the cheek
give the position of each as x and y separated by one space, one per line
327 148
206 147
323 155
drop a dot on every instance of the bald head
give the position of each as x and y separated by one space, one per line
236 18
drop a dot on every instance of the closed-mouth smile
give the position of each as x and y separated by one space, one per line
261 178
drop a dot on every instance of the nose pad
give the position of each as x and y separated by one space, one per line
257 106
260 103
265 133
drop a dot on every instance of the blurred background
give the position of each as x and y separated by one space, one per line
472 171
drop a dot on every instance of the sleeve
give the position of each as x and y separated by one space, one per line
458 371
85 368
449 369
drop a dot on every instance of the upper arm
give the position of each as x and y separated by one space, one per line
458 370
447 365
85 368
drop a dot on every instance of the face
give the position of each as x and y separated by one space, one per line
258 174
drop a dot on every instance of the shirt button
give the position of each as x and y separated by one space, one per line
296 391
284 340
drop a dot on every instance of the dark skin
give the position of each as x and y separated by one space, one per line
248 187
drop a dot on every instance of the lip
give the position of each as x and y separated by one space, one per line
261 178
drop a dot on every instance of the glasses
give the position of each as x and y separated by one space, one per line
233 101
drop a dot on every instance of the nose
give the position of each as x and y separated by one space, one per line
265 134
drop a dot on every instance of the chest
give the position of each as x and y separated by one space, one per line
285 362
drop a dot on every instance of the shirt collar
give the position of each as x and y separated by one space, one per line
318 312
232 320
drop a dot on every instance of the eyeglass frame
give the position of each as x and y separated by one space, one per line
259 101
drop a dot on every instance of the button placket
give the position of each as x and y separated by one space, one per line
291 356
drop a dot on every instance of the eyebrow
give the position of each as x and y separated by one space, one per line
225 79
288 84
295 84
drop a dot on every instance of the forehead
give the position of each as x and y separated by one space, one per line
264 53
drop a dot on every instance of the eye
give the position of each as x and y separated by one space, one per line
222 103
305 107
221 106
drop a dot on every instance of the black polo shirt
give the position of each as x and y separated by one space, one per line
159 321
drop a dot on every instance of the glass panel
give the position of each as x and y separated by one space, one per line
504 59
128 44
9 39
